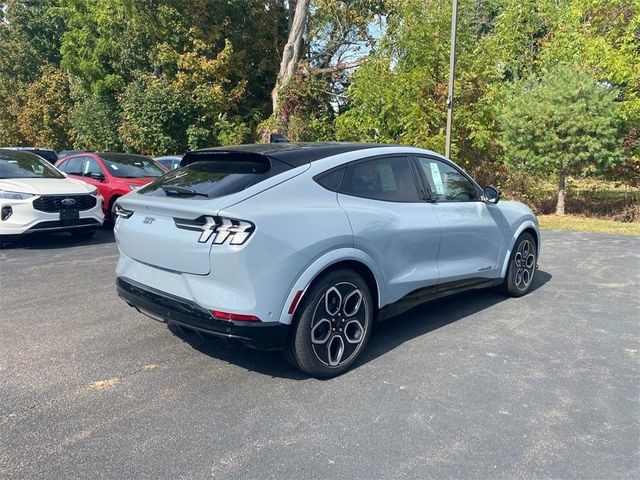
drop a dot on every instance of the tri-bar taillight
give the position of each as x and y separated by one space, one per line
122 212
236 231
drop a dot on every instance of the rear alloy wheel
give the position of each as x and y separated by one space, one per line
333 326
522 266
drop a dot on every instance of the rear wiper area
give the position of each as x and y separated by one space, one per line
187 192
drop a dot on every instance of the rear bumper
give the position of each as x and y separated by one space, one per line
168 308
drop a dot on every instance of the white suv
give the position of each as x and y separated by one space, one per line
36 197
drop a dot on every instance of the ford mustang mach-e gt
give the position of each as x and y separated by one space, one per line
301 247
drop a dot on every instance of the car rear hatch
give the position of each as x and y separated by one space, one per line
169 223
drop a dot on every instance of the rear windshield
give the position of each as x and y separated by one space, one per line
213 178
25 165
123 165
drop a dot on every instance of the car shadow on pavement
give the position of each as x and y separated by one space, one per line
49 241
428 317
386 335
270 363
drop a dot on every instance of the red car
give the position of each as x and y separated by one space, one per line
115 174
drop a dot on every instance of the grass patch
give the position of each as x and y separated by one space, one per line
586 224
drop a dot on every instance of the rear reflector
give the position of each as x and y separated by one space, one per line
295 301
234 316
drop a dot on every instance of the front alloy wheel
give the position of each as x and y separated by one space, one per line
333 325
522 266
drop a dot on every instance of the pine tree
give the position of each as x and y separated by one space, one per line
561 124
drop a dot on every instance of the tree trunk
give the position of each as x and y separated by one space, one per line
292 50
561 194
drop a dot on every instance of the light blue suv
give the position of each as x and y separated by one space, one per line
302 247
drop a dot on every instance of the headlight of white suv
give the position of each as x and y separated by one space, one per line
133 186
14 195
94 192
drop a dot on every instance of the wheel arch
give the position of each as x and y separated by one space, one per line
528 226
113 199
355 260
361 269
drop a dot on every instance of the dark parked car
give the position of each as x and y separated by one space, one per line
48 154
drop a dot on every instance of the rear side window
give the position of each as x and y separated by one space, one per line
390 179
332 180
214 178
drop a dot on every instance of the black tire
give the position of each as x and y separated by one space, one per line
83 233
111 220
344 333
522 269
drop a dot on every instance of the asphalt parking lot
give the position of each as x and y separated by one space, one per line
475 386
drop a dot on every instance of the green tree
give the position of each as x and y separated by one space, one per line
563 123
604 34
155 116
30 35
94 120
399 96
44 118
221 56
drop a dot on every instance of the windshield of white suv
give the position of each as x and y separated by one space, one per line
124 165
214 178
16 164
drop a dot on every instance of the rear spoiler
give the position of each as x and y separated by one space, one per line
261 161
260 154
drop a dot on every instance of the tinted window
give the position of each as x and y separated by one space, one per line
49 155
215 178
389 179
25 165
123 165
446 182
332 180
90 166
170 163
73 166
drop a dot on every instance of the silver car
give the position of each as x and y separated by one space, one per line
302 247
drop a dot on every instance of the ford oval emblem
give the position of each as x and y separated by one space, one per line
68 202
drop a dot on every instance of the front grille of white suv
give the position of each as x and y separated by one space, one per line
55 203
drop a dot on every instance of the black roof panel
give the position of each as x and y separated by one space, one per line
294 154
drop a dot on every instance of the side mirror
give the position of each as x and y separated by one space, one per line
97 176
491 194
